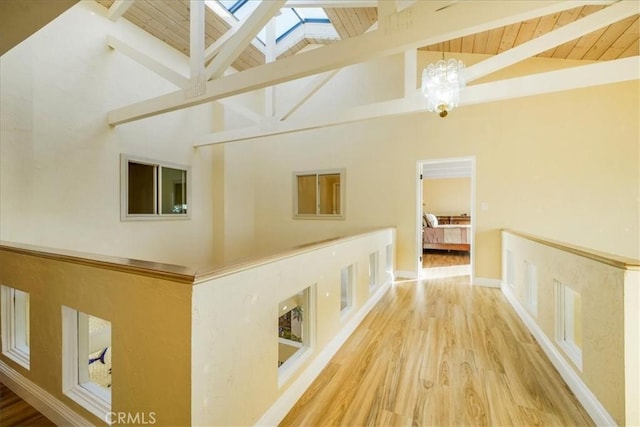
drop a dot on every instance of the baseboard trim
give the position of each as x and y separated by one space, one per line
274 415
590 402
402 274
39 398
486 282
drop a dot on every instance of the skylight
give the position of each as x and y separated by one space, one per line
287 20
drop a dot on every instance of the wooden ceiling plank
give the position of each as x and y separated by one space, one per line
626 40
166 25
584 25
243 37
611 34
554 81
632 50
480 42
546 24
150 63
525 33
509 37
350 19
118 8
443 25
493 40
158 30
584 44
467 43
456 45
337 23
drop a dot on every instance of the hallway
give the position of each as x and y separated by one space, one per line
439 353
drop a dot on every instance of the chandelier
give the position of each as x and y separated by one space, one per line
441 85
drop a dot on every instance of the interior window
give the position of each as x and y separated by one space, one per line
319 194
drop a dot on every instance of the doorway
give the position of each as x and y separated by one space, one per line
445 217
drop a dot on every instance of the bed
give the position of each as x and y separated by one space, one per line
445 237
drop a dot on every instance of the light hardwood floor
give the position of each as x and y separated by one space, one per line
439 353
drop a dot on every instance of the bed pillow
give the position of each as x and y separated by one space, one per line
432 220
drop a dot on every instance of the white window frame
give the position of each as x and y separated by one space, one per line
374 270
565 324
14 311
125 159
74 380
297 360
531 288
348 273
342 172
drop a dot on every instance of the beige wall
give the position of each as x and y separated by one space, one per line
60 167
150 332
562 165
447 196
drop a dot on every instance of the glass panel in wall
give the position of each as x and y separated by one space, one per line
141 191
329 192
293 326
306 194
94 350
569 322
21 325
174 191
373 270
346 287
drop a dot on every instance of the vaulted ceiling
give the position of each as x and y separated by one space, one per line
168 20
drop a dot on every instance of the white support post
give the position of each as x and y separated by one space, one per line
241 39
410 71
270 56
118 8
143 59
196 51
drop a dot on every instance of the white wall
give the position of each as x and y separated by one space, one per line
60 170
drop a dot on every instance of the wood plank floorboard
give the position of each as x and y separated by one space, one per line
15 412
439 353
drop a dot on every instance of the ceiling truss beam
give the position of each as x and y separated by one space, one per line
595 74
243 37
403 30
118 8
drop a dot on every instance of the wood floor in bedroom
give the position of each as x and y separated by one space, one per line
439 353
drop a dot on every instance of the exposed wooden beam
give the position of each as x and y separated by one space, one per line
196 48
307 92
241 39
419 25
595 74
333 4
270 56
215 47
602 18
143 59
118 8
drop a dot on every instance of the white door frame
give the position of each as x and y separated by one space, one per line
419 192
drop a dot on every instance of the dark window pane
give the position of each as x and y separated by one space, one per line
329 194
306 194
141 189
174 191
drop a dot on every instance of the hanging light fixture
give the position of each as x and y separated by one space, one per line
441 85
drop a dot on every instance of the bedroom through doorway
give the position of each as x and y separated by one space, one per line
446 200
